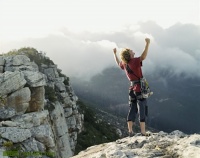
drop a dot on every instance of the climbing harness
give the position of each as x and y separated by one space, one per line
144 86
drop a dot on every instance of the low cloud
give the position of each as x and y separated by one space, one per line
85 54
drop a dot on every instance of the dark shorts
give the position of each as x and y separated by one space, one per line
137 106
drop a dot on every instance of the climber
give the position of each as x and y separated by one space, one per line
132 66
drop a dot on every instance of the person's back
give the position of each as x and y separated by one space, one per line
135 66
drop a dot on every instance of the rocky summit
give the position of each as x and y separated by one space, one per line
158 145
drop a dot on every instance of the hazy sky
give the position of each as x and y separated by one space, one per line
79 35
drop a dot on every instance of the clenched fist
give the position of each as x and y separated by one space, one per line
147 40
115 50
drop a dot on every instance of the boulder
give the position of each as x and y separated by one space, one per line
10 82
7 113
34 79
51 73
44 135
19 100
33 119
15 134
19 63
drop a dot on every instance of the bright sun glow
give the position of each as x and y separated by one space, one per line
37 18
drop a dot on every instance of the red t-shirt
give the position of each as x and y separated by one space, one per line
135 65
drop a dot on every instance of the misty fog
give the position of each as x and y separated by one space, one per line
84 54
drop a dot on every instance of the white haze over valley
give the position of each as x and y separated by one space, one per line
85 54
79 35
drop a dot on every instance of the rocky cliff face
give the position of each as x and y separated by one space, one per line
159 145
38 110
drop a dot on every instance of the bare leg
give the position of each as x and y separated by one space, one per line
130 126
142 127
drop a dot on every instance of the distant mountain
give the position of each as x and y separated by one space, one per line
174 105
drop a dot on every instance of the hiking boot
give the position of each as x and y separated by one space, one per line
146 134
130 134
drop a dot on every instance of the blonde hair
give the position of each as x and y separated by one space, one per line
125 55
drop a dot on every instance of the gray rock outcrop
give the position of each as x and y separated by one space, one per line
38 109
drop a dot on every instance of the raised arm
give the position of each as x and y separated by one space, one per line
144 54
115 56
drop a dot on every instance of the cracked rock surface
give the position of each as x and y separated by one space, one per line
163 145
